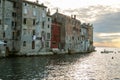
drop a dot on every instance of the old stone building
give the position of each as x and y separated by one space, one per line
10 24
36 27
74 36
26 29
24 26
70 31
55 35
86 37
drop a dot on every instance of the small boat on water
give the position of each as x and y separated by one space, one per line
105 51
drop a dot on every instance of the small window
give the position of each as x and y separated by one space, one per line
24 43
24 21
43 23
33 32
33 44
14 5
13 14
13 23
5 42
0 21
13 34
53 43
48 35
33 21
3 34
48 26
48 19
25 4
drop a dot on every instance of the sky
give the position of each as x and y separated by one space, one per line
103 14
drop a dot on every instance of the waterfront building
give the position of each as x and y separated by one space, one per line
10 24
36 27
55 35
70 31
27 27
86 37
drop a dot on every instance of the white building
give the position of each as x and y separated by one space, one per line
86 37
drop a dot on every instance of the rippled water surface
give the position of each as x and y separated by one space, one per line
92 66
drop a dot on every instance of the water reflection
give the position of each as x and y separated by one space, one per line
93 66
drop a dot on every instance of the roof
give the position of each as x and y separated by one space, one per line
65 16
34 3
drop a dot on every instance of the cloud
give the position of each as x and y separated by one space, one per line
106 23
92 13
107 44
107 39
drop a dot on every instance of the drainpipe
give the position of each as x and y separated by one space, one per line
3 18
3 11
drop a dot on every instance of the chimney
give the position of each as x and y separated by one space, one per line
57 10
74 16
48 12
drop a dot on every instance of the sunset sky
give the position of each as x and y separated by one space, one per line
103 14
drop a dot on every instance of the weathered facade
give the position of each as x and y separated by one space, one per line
11 12
55 35
26 29
86 37
36 28
70 31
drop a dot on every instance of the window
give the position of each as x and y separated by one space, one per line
25 4
0 21
3 34
43 23
48 19
24 21
5 42
48 35
48 26
13 23
33 21
24 43
14 5
13 34
33 32
33 44
13 14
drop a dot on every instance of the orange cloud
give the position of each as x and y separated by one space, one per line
107 44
